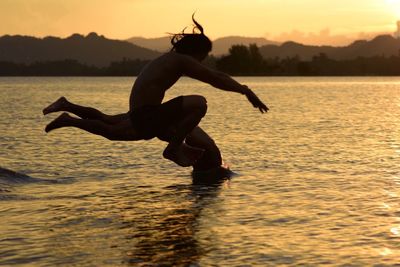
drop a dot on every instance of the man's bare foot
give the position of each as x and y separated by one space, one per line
56 106
183 155
60 121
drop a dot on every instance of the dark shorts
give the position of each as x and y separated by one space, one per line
156 120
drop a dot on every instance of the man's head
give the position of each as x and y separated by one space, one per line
193 44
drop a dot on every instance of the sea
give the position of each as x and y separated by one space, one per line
317 178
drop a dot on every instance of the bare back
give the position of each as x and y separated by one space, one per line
155 78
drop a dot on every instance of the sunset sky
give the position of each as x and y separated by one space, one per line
310 21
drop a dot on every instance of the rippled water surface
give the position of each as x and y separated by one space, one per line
318 179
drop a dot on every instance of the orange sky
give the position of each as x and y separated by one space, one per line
309 21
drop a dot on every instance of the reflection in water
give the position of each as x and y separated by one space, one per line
169 237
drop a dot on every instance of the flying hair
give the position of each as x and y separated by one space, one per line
198 26
189 43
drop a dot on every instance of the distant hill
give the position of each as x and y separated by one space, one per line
91 49
220 46
161 44
383 45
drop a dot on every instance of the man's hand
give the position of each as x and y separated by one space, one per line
255 101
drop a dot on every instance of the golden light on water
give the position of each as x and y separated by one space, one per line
318 179
395 230
385 252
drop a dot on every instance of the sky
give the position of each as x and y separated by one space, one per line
309 21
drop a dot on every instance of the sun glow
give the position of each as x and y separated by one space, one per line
312 22
394 6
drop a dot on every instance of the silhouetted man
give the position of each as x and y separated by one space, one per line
175 121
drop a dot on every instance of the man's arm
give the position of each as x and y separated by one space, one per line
220 80
196 70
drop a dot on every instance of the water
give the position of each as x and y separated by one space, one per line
319 179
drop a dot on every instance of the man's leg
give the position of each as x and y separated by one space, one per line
122 131
193 109
212 156
62 104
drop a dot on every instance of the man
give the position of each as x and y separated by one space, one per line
175 121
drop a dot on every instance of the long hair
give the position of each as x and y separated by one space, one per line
191 43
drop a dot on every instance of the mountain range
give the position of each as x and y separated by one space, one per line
220 46
99 51
382 45
91 49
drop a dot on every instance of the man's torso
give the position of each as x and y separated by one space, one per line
154 80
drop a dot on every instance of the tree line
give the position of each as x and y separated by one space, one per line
240 61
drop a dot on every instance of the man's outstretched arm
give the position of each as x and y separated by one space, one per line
220 80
